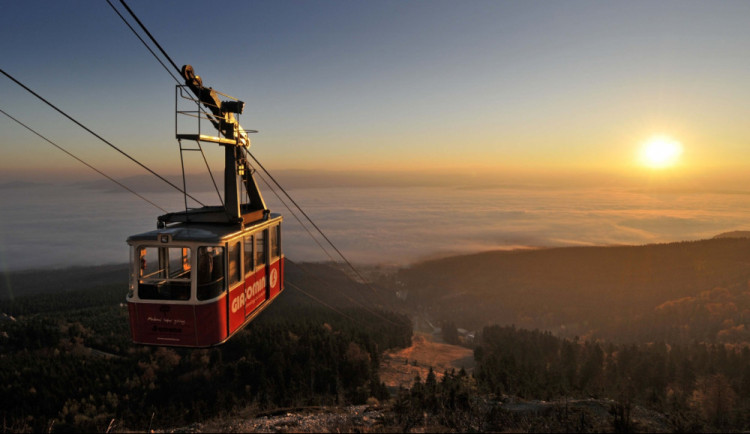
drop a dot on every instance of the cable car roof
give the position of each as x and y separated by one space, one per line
200 232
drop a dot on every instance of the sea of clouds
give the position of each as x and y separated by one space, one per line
44 226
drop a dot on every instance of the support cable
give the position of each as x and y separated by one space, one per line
313 223
143 27
295 217
210 173
170 74
308 273
98 136
142 41
342 293
80 160
304 270
321 301
132 14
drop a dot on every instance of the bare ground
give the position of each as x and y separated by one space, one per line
400 367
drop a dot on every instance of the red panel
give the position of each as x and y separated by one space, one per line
236 307
133 313
274 278
255 290
212 318
162 324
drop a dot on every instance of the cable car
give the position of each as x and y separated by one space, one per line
205 273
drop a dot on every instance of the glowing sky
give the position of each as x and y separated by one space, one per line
480 85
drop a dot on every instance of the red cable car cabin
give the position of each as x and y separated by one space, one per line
205 273
195 285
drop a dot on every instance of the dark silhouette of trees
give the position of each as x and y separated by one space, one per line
700 385
450 332
67 363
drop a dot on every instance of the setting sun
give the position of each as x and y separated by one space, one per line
660 152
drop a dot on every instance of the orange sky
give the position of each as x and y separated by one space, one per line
524 89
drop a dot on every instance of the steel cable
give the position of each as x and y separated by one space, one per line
142 41
304 270
80 160
98 136
349 264
132 14
320 231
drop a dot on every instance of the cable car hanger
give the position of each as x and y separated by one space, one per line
221 114
205 273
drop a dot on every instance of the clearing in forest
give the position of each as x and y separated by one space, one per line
399 367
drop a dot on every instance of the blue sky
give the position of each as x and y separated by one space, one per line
412 85
465 92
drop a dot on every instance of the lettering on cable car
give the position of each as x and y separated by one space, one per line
258 286
172 325
249 295
237 302
177 321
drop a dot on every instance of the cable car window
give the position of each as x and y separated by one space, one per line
260 249
235 262
274 242
248 255
164 273
179 263
210 272
150 263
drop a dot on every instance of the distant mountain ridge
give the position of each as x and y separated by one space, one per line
734 234
611 292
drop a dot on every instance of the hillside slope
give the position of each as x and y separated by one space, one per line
594 291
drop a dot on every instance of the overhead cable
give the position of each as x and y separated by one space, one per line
304 269
80 160
283 202
145 44
142 41
164 53
132 14
97 135
321 301
312 222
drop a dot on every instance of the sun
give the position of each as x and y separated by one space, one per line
660 152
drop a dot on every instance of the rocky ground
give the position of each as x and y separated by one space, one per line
360 418
507 414
584 415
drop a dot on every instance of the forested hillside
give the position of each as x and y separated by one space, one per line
67 364
32 282
533 381
697 386
677 291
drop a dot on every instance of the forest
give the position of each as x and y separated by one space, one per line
67 363
699 386
533 381
680 364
